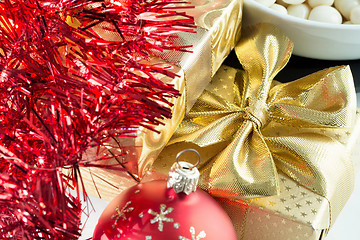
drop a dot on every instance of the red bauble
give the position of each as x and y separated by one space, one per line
152 211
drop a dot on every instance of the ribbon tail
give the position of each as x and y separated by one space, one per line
244 169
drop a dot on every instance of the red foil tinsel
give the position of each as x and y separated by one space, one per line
73 76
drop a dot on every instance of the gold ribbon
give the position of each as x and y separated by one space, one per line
262 126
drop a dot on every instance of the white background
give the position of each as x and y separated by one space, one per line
346 227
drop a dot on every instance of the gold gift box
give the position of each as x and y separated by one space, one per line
218 29
295 214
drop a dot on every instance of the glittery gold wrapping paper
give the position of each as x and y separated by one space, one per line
295 214
218 29
277 156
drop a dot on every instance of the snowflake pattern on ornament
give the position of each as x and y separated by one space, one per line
201 235
160 217
121 213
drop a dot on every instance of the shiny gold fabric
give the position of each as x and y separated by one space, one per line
262 127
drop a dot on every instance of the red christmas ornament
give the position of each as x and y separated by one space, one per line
160 210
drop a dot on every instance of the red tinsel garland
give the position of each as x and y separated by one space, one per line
73 75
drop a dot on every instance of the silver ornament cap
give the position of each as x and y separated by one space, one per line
184 176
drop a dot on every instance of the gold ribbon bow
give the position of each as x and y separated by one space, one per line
258 126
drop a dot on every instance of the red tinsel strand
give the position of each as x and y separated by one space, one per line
25 210
73 76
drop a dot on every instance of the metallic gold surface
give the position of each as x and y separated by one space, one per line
218 27
264 127
254 222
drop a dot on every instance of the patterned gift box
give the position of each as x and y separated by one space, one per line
218 29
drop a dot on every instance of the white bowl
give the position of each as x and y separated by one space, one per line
311 39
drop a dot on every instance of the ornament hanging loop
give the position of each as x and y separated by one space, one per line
184 176
189 150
